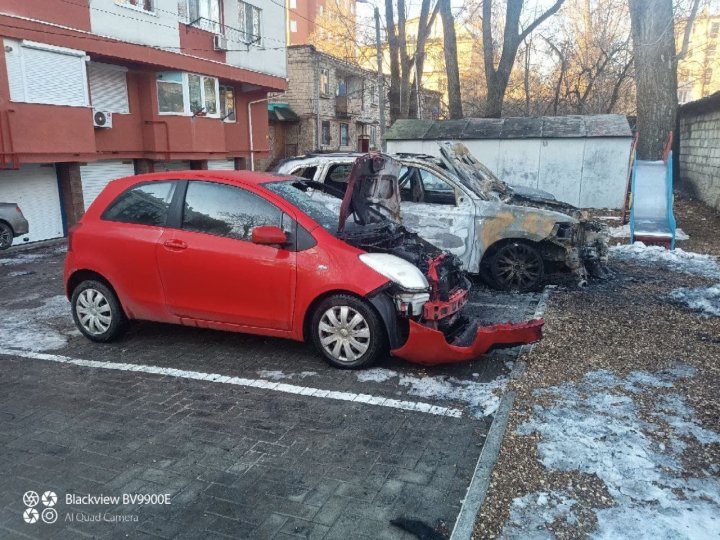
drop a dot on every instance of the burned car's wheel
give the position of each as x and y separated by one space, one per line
97 311
517 266
6 236
348 332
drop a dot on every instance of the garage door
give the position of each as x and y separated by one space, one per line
162 166
95 176
35 189
221 165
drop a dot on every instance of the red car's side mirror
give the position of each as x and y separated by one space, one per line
269 235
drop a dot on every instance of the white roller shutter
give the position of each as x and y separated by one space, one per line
221 165
95 176
35 189
108 87
161 166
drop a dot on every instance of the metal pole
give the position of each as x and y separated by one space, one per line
381 79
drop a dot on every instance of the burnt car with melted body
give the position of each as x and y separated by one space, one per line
510 236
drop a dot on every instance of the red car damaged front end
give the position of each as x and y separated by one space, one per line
423 304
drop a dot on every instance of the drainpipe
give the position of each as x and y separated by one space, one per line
252 147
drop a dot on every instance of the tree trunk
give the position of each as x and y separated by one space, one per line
451 60
394 91
655 74
424 28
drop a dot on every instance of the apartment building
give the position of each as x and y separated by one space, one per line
92 90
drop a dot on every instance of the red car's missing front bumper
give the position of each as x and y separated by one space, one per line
429 347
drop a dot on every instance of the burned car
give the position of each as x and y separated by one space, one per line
265 256
510 236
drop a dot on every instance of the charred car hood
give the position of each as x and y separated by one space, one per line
483 182
372 193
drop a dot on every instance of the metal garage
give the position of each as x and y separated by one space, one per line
221 164
35 188
95 176
582 160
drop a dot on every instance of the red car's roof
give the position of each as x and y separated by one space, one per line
239 177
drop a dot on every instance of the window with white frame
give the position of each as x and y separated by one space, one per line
140 5
293 4
204 14
250 22
188 94
293 26
108 87
40 73
227 103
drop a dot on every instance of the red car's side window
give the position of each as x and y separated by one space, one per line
224 210
145 204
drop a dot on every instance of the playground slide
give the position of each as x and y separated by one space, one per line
651 213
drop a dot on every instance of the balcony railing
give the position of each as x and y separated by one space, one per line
232 34
341 107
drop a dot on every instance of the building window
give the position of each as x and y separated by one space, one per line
344 135
342 88
141 5
711 50
326 133
293 26
714 30
108 87
325 82
373 136
227 103
40 73
249 19
708 75
293 4
204 14
187 93
373 94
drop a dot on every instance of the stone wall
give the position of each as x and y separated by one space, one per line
700 149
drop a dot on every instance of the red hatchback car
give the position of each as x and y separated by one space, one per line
261 254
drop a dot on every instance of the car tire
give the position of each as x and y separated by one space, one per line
517 266
359 334
6 236
97 311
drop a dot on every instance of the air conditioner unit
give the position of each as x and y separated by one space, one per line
220 42
102 119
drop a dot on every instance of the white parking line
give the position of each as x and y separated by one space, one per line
240 381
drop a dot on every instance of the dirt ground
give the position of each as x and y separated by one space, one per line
622 325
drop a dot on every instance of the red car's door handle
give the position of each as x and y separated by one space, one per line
175 245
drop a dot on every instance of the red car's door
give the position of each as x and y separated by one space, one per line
210 269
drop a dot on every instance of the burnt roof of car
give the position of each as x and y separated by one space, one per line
546 127
248 177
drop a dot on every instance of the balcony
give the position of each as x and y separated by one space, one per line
341 107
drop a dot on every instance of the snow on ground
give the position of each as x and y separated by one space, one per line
623 231
595 427
277 375
24 257
706 300
481 398
38 328
676 260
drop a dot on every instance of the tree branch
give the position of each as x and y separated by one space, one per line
537 22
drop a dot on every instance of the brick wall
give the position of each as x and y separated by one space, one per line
700 149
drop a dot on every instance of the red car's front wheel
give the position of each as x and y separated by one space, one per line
348 332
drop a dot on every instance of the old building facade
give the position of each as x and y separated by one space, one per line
333 104
91 91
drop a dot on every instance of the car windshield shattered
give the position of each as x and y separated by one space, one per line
298 193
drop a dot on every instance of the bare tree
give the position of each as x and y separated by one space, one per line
655 73
451 60
497 77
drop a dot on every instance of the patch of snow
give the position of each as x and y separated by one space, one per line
376 375
676 260
482 398
706 300
530 515
277 375
609 218
20 273
23 258
594 427
623 231
41 328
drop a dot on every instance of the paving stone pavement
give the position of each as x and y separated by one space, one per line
236 461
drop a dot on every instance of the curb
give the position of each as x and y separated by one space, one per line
477 491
